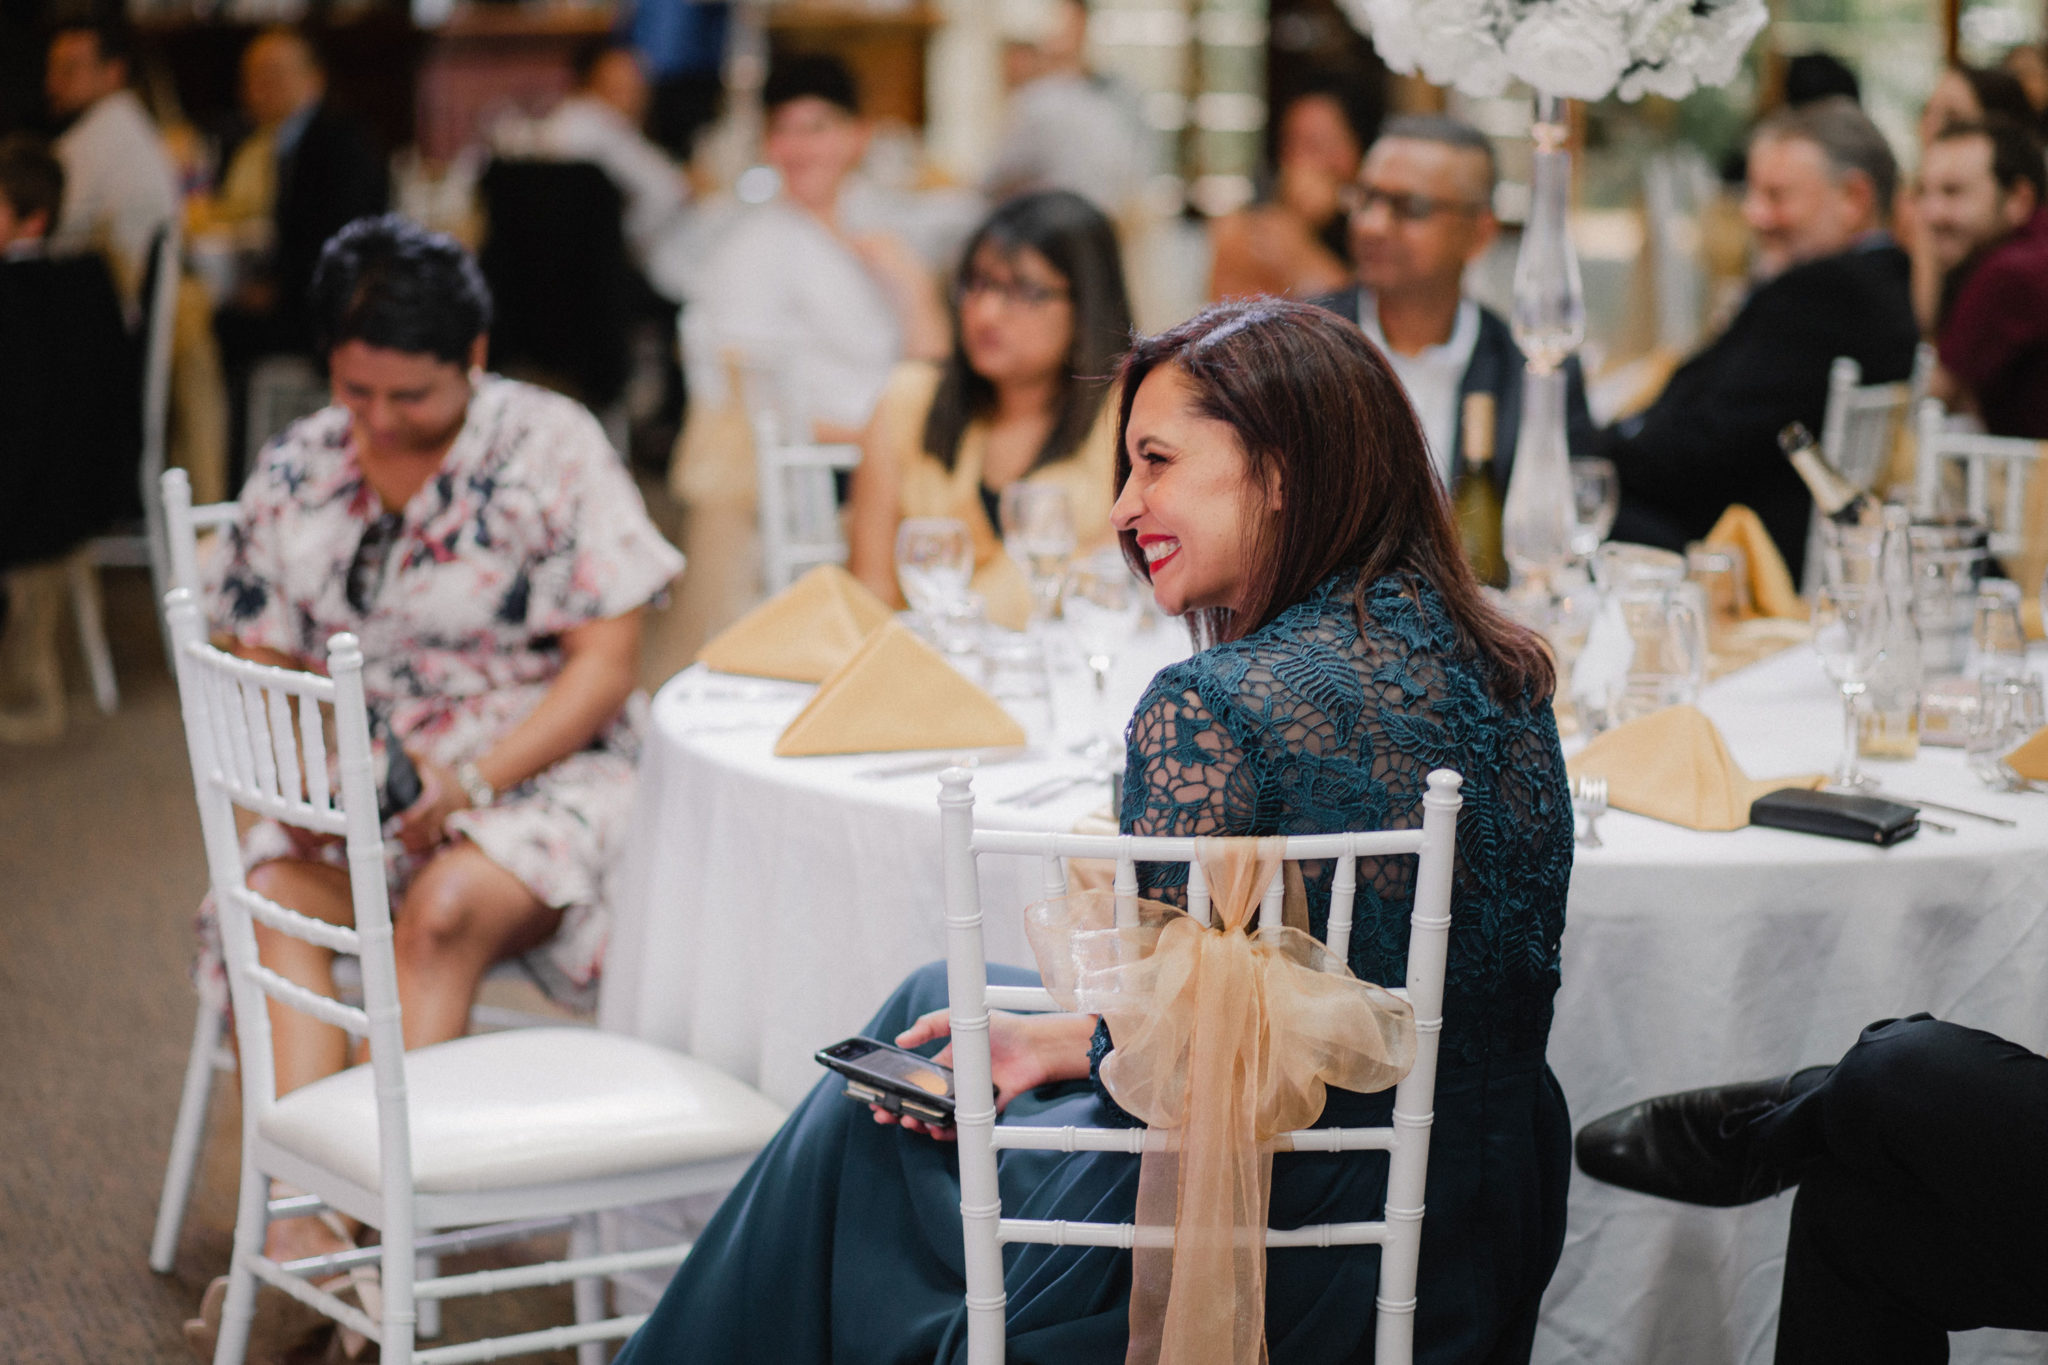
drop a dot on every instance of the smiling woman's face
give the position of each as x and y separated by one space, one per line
1190 499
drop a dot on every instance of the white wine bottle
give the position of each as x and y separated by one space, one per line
1837 498
1475 502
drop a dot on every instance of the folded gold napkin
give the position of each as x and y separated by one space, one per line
803 632
2030 760
897 693
1673 765
1770 582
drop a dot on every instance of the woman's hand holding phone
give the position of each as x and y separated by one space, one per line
1025 1052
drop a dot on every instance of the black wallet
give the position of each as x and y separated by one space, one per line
1866 819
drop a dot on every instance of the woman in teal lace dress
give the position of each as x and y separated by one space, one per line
1275 489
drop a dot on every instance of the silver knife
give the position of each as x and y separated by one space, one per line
975 758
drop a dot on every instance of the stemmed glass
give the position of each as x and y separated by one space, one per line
934 563
1102 604
1038 531
1848 631
1596 499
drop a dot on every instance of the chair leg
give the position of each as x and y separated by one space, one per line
400 1308
92 632
429 1310
252 1221
588 1293
188 1134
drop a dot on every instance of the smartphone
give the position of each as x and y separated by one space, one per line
401 778
898 1081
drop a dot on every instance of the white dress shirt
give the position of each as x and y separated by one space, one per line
779 285
657 219
1431 376
119 185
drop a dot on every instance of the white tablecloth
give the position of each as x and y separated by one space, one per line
767 906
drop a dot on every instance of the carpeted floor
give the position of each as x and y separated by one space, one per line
100 870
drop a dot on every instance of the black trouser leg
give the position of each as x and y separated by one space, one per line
1923 1207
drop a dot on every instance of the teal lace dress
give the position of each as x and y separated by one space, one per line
842 1242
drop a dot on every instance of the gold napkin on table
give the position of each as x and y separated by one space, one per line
1673 765
803 633
2030 760
897 693
1770 582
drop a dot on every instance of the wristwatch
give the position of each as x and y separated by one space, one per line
479 792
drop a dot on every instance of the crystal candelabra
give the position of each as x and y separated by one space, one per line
1549 323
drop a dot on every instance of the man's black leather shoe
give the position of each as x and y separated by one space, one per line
1696 1146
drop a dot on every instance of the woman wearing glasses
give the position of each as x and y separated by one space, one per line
1040 319
487 547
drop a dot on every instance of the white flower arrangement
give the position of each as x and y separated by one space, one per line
1576 49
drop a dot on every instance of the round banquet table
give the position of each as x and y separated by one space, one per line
765 905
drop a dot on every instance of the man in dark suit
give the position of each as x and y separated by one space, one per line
70 381
1833 283
1422 211
325 174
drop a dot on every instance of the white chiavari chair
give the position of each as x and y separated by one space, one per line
1993 473
450 1145
1862 424
798 508
1398 1232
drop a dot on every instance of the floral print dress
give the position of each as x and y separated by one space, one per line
530 527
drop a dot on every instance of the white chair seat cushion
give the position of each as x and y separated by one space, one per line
535 1106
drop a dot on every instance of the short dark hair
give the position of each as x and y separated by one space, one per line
1814 76
1080 243
31 179
389 282
1448 132
1999 93
113 38
810 75
1318 409
1846 137
2015 153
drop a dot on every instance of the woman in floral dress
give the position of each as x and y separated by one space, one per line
489 550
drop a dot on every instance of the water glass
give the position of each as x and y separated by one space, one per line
1014 672
1851 554
1948 562
934 564
1998 643
1596 499
1101 605
1038 532
1722 573
1849 624
2009 712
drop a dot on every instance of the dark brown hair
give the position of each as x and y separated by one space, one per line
1314 404
1079 243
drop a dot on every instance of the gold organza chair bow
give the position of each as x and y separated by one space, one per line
1228 1033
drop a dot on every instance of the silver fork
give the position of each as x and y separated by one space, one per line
1590 799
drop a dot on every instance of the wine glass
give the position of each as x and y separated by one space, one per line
1998 642
1102 605
934 563
1596 498
1848 631
1038 531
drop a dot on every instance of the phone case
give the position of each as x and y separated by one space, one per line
871 1084
1837 815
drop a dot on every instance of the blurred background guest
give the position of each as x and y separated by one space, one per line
305 169
1831 283
1420 212
1065 126
1962 94
1297 242
1984 211
1042 319
602 121
70 428
119 186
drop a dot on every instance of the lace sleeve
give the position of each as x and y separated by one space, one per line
1184 775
